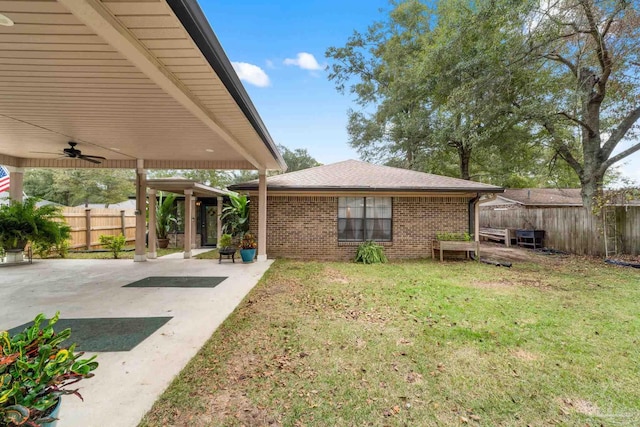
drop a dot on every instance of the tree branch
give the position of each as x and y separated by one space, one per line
559 58
601 49
562 150
619 133
578 121
620 156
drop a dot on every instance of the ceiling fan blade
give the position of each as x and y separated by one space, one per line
84 156
89 159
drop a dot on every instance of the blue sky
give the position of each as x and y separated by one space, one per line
300 106
278 49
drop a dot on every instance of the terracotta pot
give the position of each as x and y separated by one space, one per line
163 243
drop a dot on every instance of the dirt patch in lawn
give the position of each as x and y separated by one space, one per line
527 356
506 283
580 406
498 252
335 276
235 403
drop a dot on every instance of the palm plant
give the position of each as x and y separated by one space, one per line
165 216
235 215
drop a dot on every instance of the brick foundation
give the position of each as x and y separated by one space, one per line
306 227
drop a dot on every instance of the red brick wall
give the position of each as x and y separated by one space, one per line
306 227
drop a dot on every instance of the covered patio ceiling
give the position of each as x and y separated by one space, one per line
127 80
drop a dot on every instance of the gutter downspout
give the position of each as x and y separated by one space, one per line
472 217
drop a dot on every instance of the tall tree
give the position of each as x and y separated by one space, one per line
589 54
210 177
72 187
297 159
436 88
376 65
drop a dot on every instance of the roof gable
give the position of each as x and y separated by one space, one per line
354 175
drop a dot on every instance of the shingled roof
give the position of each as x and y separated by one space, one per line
543 196
551 197
354 175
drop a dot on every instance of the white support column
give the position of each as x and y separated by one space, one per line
141 209
262 216
188 221
152 252
16 176
194 223
219 221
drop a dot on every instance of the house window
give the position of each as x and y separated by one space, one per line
364 218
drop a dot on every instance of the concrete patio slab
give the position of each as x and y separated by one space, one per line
127 383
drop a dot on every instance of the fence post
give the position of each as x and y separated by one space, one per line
87 213
123 225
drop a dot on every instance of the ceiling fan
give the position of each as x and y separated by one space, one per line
73 153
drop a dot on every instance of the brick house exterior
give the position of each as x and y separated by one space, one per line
302 220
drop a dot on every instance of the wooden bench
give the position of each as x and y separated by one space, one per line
496 234
452 245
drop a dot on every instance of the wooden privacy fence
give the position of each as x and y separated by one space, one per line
571 229
88 224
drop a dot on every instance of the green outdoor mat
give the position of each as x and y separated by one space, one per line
176 282
105 334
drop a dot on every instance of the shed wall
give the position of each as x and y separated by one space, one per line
306 227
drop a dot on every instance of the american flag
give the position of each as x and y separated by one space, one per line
4 179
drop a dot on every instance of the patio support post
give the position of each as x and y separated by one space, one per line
262 215
188 221
194 227
141 209
16 176
152 253
219 222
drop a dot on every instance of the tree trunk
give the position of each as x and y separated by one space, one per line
464 154
591 192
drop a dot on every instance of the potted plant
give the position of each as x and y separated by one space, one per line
248 247
23 222
226 247
34 371
164 219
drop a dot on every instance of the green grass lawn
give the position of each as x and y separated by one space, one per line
212 254
421 344
122 255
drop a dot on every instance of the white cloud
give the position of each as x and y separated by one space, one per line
251 74
304 60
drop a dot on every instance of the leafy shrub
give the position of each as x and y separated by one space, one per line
45 249
446 236
370 253
226 240
248 242
114 243
165 217
34 369
63 248
22 222
235 215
